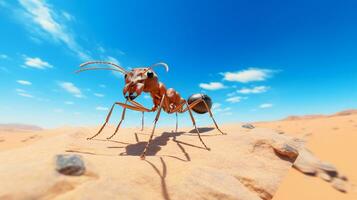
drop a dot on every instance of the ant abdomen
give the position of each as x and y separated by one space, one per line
200 108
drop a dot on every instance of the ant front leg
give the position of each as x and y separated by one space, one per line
136 106
153 129
105 123
121 120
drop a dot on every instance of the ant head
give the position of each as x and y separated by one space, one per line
136 81
140 80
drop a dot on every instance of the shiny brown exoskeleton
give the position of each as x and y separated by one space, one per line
144 79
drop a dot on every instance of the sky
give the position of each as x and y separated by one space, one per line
257 60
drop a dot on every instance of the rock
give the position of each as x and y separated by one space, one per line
71 165
286 150
248 126
306 162
324 176
328 168
343 178
339 184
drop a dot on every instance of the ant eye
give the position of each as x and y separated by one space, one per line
125 76
150 74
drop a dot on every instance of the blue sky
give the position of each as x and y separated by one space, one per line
258 60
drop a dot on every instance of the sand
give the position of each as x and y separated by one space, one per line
240 165
332 139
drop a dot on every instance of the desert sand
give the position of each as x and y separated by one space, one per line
244 164
331 138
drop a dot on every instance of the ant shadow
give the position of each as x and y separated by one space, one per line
201 130
158 142
162 176
193 132
155 146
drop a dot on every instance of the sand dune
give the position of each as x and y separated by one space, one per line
305 117
332 138
19 127
241 165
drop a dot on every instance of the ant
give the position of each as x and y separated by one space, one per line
144 79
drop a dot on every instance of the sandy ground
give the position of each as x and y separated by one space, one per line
240 165
332 139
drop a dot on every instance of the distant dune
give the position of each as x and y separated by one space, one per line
19 127
342 113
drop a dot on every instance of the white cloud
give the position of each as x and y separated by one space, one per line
68 16
114 60
147 96
98 95
235 99
58 110
25 95
20 90
227 113
69 102
248 75
101 108
254 90
266 105
3 56
36 63
231 94
101 49
212 86
71 88
48 22
216 106
24 82
102 86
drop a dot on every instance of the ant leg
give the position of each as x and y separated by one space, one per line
214 121
176 123
153 129
125 106
142 122
121 120
194 123
105 123
138 105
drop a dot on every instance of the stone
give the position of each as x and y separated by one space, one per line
324 176
286 150
306 162
328 168
248 126
339 184
343 178
71 165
